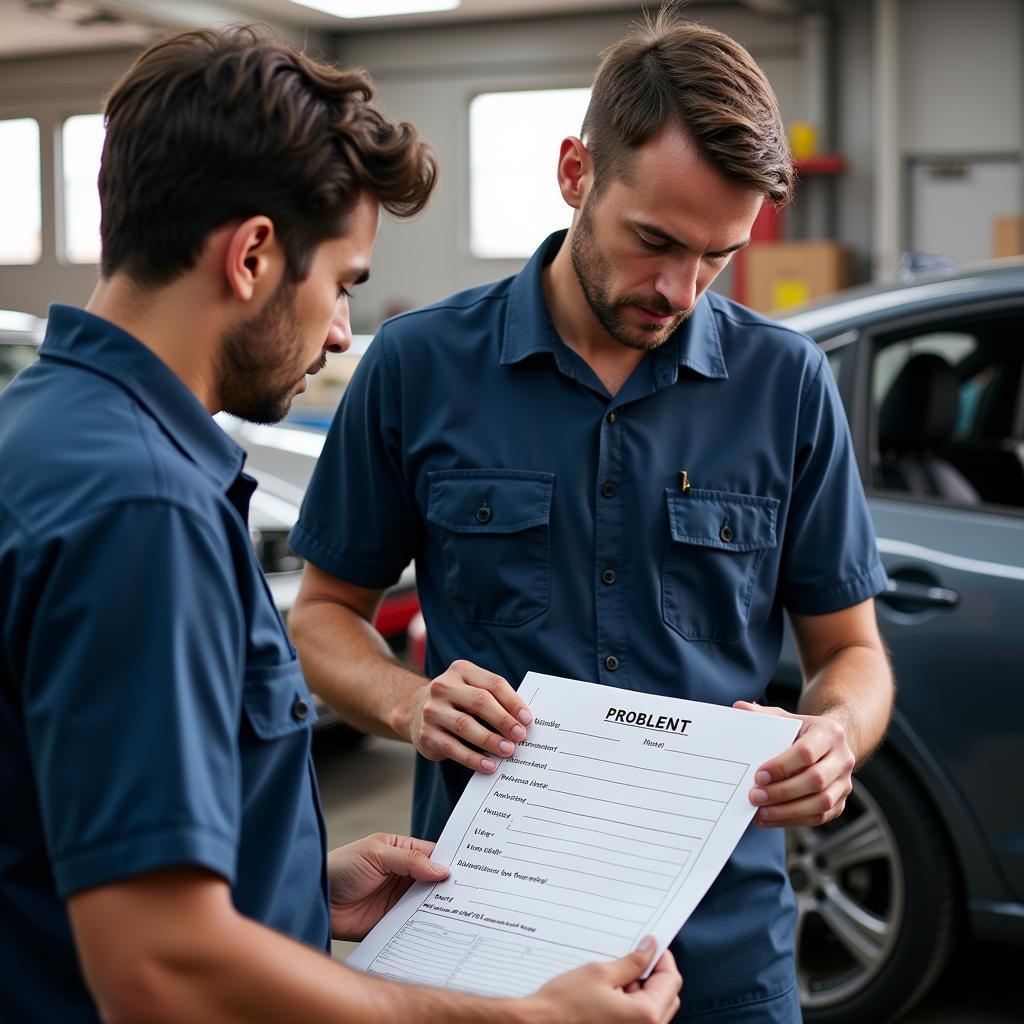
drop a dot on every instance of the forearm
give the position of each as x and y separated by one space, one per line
239 972
854 686
348 664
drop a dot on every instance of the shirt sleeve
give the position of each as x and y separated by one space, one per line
132 688
359 520
830 560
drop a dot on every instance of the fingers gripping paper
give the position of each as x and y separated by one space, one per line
609 823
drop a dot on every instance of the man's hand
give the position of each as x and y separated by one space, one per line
369 876
612 992
807 784
444 721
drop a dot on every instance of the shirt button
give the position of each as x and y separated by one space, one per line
608 490
608 576
725 533
612 416
611 663
483 514
300 709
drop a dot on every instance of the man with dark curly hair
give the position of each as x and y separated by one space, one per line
162 848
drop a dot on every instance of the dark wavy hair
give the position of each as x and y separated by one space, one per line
704 82
211 126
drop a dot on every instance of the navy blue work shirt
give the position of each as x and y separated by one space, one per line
552 530
152 711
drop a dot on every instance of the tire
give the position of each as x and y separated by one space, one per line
877 901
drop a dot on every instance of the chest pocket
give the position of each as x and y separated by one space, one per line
276 700
493 528
716 544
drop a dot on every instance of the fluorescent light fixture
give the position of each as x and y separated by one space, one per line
377 8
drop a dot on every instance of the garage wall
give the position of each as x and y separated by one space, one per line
961 70
429 78
961 122
426 76
960 93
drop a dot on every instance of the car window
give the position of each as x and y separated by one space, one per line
953 346
947 411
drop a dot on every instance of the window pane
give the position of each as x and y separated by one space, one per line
513 155
20 204
81 146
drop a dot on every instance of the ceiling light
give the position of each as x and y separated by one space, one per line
377 8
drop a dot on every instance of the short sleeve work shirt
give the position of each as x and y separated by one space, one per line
152 711
648 541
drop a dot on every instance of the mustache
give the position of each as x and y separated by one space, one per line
319 364
656 304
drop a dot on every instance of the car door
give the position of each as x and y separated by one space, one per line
947 498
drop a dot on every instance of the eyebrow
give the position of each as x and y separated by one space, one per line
657 232
362 278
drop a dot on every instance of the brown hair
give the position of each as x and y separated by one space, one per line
210 126
704 82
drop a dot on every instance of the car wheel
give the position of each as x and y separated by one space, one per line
876 901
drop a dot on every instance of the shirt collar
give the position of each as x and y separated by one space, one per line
95 344
528 328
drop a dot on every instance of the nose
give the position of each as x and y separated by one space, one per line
678 284
339 334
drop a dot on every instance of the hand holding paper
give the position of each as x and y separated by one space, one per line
369 876
610 822
807 784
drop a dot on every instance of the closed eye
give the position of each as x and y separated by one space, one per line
652 246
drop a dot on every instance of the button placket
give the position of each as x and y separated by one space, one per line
609 599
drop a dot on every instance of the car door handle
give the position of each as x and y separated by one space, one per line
910 595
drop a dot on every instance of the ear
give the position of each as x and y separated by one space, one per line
253 259
575 171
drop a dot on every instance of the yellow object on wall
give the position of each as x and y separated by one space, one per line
789 291
784 274
803 140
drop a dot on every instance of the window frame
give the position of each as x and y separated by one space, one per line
546 84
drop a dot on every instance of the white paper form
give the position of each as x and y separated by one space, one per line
609 823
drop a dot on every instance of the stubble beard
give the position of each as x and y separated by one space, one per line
592 272
257 370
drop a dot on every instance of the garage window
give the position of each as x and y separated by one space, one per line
81 147
513 155
20 197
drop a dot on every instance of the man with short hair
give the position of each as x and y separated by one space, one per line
605 471
162 848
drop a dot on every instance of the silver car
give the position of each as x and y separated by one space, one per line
932 841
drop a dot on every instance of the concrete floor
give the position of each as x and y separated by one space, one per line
367 789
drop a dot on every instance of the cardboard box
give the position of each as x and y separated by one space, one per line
1008 234
783 274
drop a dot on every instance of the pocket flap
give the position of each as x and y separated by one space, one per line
720 519
489 500
277 700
